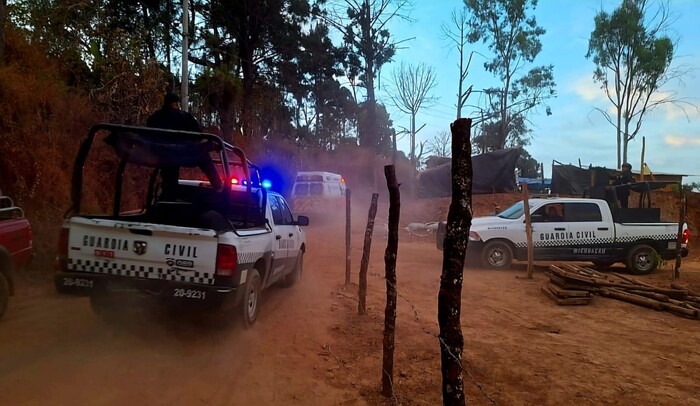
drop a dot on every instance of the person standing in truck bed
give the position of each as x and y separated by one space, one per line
171 117
623 193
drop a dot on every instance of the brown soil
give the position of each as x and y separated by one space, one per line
310 347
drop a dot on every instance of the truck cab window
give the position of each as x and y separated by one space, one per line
583 212
287 218
277 216
549 213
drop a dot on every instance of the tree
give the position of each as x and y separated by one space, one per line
456 33
633 59
440 144
514 39
368 45
411 87
3 15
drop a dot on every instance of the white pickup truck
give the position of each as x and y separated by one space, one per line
215 243
570 229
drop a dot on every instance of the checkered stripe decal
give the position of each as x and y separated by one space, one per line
249 257
598 241
113 268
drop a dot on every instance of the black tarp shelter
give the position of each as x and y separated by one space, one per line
494 172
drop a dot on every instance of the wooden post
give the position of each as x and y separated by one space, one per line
348 194
390 254
641 166
679 240
528 231
459 219
366 248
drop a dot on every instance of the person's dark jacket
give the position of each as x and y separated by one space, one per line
173 119
624 178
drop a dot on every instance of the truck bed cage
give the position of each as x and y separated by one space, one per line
156 148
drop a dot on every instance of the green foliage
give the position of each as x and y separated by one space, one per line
632 58
514 39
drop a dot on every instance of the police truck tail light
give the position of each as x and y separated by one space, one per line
473 236
226 260
61 262
686 236
234 181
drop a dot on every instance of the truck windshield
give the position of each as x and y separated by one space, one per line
513 212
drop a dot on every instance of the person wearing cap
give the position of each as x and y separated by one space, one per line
625 178
171 117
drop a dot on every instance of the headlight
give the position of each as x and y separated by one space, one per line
473 236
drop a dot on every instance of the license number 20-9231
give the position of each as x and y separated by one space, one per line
190 294
78 282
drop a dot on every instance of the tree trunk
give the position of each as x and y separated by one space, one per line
3 18
412 182
366 248
348 194
392 248
619 140
455 246
370 131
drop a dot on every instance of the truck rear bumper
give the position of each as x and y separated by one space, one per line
88 284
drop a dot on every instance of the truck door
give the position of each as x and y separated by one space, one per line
593 237
284 237
550 233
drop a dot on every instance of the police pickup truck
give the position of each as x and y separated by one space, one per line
215 240
570 229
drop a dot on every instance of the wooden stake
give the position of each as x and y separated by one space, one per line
681 220
348 194
641 167
366 248
459 221
390 254
528 232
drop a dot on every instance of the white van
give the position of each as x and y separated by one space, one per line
318 192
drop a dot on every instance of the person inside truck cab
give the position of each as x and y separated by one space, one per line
553 214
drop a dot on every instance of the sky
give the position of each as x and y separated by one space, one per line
574 130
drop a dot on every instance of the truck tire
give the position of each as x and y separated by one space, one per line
642 259
251 298
4 294
496 255
294 276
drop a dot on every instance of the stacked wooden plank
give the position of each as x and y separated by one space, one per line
575 285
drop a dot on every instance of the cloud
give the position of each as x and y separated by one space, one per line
681 141
587 89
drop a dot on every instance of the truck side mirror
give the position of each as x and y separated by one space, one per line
302 221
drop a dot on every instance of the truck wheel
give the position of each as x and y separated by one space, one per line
251 298
4 294
294 276
642 260
497 255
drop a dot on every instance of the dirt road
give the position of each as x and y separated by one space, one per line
310 348
54 351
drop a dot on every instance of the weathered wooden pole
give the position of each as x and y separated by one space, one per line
366 248
679 240
528 231
459 221
348 194
641 166
392 247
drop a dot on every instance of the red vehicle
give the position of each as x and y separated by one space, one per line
15 247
